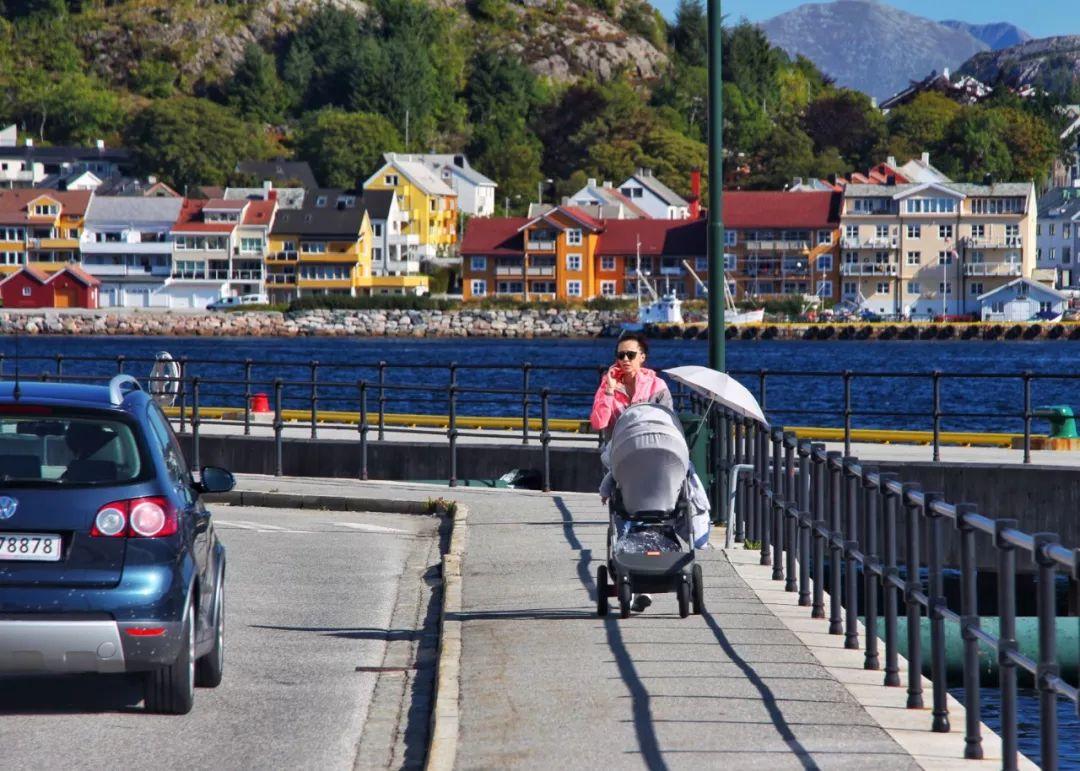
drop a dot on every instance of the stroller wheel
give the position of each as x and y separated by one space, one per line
624 598
699 591
684 597
601 591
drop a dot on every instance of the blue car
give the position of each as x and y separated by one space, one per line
108 558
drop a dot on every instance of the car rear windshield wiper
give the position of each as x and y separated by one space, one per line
10 481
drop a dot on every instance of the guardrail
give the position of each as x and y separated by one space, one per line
805 505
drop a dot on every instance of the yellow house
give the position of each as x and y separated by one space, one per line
428 206
41 228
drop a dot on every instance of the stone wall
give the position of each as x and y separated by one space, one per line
363 323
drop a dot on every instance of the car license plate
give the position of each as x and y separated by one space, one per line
31 547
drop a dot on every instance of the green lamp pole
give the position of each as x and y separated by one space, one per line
716 186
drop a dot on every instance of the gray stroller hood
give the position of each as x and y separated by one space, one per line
649 458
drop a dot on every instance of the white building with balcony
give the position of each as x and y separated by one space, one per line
127 244
475 192
394 252
1058 235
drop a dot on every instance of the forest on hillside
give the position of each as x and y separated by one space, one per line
335 88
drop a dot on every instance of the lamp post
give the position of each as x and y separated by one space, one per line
716 186
540 189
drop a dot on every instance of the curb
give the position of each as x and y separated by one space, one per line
317 502
445 717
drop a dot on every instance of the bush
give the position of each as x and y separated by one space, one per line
374 302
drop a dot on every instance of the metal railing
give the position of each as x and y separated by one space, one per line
828 517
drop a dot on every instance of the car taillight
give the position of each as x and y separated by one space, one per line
135 518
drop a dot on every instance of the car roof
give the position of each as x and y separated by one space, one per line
83 395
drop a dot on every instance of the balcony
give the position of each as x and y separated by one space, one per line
777 246
127 270
509 270
877 242
667 270
540 245
289 256
868 269
1012 269
540 270
1011 242
246 275
124 247
280 278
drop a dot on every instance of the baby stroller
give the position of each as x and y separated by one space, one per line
654 499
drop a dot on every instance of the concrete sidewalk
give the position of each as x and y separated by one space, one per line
545 683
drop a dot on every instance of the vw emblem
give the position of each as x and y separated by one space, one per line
7 507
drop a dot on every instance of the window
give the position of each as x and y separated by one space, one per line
1038 229
1066 230
607 288
945 232
607 263
824 263
376 254
478 287
914 288
432 203
478 264
1066 255
1053 229
730 261
997 205
1053 253
978 231
881 231
509 287
1012 235
824 289
945 287
944 258
930 205
913 258
851 289
976 288
377 229
573 289
320 201
883 287
391 179
251 244
573 263
977 258
731 237
824 237
701 264
27 291
914 231
852 232
1046 307
288 246
573 237
851 258
313 247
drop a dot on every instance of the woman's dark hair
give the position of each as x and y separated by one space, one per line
637 337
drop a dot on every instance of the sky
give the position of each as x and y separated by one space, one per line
1042 18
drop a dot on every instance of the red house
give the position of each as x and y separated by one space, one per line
27 288
74 288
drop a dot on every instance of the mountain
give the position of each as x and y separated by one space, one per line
997 36
871 46
1051 63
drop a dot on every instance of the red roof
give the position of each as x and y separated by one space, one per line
191 219
670 237
259 212
14 203
583 217
770 209
78 274
34 273
494 235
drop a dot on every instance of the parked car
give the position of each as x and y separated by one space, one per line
109 561
236 301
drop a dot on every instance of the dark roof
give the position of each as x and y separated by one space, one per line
377 202
668 237
334 218
494 235
63 154
280 171
771 209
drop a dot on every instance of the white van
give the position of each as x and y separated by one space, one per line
224 303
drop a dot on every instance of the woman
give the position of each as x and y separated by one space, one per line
626 382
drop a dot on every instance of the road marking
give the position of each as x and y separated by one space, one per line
371 528
258 527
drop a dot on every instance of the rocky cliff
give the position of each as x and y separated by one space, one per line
1052 63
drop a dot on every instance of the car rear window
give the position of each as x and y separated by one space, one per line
66 449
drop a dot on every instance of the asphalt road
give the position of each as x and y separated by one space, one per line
311 597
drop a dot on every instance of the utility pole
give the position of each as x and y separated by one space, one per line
716 187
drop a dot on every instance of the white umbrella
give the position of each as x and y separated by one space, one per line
720 388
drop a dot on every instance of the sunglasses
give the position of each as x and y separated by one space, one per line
628 355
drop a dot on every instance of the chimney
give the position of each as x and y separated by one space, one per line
151 180
271 195
926 159
607 184
99 144
832 179
592 181
695 194
29 142
267 184
891 161
988 179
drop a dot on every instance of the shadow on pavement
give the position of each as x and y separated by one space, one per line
352 633
32 695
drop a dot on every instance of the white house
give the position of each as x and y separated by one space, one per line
605 202
1021 300
475 192
393 252
652 196
126 244
29 166
1058 234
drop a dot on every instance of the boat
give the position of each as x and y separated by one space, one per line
664 308
732 315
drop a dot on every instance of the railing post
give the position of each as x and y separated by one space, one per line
913 586
777 510
59 366
278 426
525 402
790 522
820 462
744 430
451 429
1048 665
363 427
762 374
195 421
545 439
969 621
314 369
247 397
851 544
836 551
120 364
890 575
1007 641
1027 417
766 496
935 605
847 412
871 564
382 400
803 522
182 393
937 414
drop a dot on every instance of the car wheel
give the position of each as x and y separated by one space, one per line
209 669
170 690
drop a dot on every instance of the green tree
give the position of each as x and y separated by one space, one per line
752 63
191 141
848 121
344 148
153 78
786 153
974 146
256 91
745 125
1032 144
689 35
921 124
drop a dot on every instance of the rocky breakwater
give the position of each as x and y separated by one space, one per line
324 323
